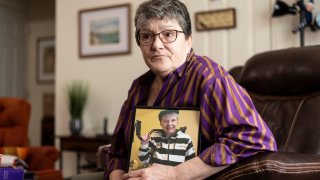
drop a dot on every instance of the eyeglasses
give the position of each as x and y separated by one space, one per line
167 36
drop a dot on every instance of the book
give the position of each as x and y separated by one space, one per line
7 160
9 173
12 161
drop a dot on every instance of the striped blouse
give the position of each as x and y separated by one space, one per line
231 128
167 151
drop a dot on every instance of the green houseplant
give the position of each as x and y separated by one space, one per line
78 96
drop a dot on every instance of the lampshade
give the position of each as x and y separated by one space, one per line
281 8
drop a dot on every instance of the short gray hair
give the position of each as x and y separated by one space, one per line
167 111
162 9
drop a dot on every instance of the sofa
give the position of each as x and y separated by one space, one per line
285 88
14 126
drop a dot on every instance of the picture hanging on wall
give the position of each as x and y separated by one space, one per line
104 31
216 19
45 60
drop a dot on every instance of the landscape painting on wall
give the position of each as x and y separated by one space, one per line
104 31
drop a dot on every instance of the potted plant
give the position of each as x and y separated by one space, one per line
78 96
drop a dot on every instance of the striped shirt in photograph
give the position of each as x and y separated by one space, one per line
167 151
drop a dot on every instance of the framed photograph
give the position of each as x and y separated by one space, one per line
216 19
167 136
45 60
104 31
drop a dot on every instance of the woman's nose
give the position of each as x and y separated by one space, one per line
157 43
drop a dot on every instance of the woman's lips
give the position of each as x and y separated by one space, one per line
158 56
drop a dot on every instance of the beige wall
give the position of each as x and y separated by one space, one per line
111 76
41 23
37 29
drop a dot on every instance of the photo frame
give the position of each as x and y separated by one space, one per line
104 31
216 19
46 60
181 146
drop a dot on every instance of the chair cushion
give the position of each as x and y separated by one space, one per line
14 122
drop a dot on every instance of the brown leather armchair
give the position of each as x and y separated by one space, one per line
285 88
14 124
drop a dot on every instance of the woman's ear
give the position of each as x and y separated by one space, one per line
189 42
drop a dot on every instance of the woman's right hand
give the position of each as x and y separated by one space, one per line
145 139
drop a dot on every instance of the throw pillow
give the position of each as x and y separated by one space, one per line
20 152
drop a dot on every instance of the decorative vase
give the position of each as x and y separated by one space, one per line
75 127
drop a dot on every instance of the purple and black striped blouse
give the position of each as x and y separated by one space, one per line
230 125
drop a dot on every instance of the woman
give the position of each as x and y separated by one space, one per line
231 127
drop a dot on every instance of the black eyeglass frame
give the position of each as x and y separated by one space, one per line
155 34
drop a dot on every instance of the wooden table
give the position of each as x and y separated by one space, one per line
80 144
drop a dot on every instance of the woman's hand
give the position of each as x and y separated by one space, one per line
192 169
116 174
154 172
145 139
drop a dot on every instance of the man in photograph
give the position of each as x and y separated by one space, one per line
168 146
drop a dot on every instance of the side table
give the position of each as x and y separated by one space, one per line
80 144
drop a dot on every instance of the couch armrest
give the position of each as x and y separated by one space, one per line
42 157
274 165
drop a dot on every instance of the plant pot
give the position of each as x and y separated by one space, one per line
75 127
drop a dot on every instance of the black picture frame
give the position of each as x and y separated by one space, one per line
147 117
46 60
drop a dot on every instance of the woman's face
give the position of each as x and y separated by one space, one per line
169 123
164 58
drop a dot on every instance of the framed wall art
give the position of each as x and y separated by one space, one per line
45 60
216 19
104 31
166 136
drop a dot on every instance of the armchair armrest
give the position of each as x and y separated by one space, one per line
42 157
262 166
274 165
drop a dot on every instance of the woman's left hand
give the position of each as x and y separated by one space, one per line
154 172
